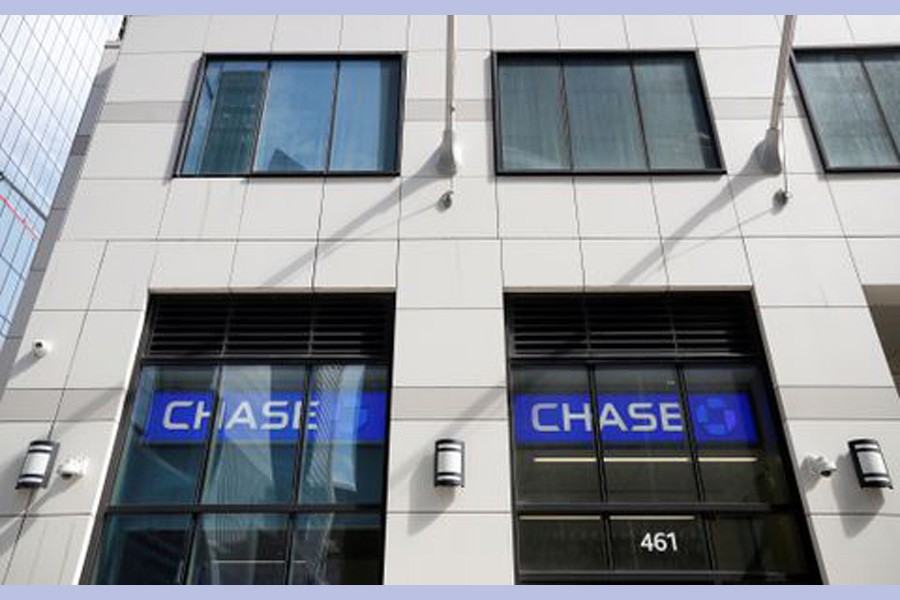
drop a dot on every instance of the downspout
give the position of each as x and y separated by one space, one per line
768 152
449 154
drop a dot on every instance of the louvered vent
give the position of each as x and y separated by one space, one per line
295 326
631 326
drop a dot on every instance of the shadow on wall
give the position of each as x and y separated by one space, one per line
418 472
748 176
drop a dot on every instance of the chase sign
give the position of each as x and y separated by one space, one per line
185 417
633 418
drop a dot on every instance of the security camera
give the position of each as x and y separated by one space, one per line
820 465
40 348
73 468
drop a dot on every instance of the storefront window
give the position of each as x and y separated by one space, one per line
650 450
232 468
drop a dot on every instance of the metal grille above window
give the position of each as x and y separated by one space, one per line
279 326
611 326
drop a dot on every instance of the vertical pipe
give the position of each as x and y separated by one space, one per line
448 159
768 152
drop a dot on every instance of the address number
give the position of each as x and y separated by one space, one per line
660 541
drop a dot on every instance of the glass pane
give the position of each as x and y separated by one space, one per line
561 543
240 550
166 436
884 72
337 549
662 543
297 118
365 120
676 125
642 430
737 445
146 549
224 129
770 544
257 429
556 456
606 133
344 453
532 122
850 128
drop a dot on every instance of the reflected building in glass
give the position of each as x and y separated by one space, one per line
47 65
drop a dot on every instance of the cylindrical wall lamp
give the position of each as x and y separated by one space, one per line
871 470
449 463
38 464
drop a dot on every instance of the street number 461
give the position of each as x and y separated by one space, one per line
660 541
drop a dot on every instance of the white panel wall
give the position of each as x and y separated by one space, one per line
132 230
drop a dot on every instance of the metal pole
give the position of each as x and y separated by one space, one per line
768 152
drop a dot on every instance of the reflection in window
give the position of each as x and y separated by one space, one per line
336 549
312 115
852 98
240 550
599 112
143 549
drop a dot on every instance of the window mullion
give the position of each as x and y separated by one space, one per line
640 116
334 99
878 105
260 114
567 123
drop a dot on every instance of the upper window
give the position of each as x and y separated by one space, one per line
853 101
602 113
292 116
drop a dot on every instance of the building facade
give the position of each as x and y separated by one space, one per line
48 66
278 285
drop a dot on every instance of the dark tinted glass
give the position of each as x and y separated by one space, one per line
562 543
553 428
257 429
145 549
343 457
603 116
658 543
532 118
737 447
884 73
366 114
167 432
676 125
293 136
240 550
769 544
644 438
843 107
336 549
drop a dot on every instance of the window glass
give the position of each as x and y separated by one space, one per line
166 435
240 550
759 544
365 122
646 456
532 126
553 425
737 451
884 73
343 457
336 549
678 131
294 132
658 542
603 112
224 129
256 434
554 543
851 129
606 131
143 549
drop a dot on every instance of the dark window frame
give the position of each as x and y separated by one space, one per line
500 170
195 510
252 173
753 356
857 52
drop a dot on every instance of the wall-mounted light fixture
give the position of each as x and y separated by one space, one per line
871 470
38 464
449 463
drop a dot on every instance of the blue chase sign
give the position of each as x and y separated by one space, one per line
185 417
633 418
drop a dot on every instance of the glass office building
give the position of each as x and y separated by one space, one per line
47 65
